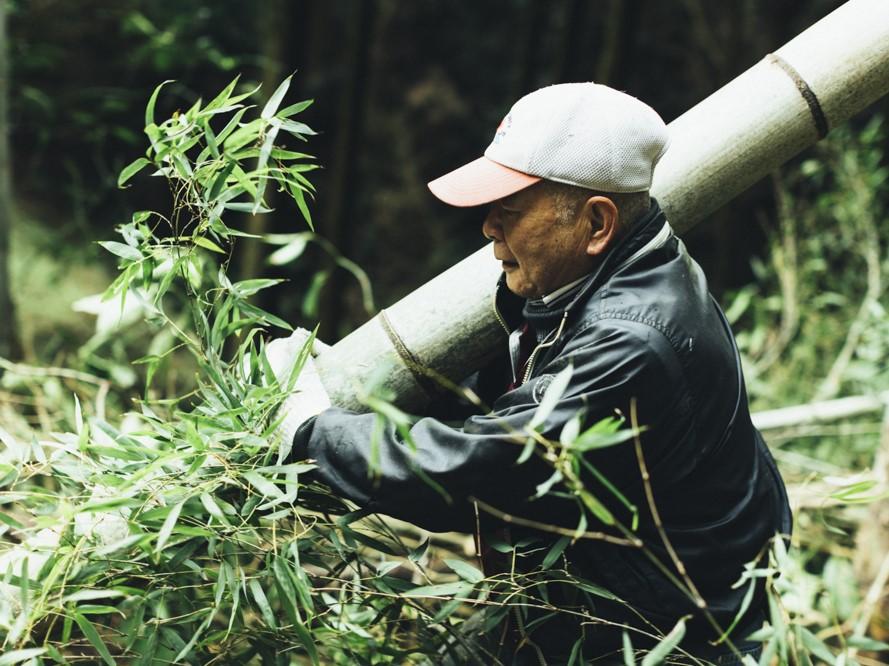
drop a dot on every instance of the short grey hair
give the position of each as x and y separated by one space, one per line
568 199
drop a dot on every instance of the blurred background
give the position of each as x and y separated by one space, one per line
405 91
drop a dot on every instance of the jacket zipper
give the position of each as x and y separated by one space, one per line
497 310
529 366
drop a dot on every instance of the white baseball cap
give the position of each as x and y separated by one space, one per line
583 134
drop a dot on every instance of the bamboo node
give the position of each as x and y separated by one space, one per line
821 125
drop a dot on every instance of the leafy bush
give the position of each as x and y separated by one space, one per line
175 535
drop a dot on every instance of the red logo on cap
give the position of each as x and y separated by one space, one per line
504 125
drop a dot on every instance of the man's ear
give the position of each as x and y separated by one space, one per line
604 219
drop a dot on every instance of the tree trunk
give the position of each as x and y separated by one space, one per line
343 186
8 336
274 24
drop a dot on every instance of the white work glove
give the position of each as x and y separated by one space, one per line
308 397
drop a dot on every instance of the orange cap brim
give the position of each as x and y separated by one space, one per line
479 182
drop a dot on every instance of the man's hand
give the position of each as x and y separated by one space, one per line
308 397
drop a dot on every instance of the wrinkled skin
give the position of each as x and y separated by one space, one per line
541 252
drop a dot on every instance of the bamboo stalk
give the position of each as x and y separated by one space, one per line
718 148
817 412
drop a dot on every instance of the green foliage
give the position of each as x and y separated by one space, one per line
814 326
818 306
176 536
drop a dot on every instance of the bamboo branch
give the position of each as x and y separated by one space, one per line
554 529
31 371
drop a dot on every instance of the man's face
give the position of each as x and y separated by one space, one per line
539 252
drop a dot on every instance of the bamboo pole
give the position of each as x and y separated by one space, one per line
718 148
820 412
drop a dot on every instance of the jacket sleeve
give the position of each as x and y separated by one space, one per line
428 478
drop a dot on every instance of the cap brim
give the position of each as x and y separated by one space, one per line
479 182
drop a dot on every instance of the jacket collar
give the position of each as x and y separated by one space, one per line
646 234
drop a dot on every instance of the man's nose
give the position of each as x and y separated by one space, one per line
491 227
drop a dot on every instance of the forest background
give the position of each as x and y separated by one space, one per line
405 91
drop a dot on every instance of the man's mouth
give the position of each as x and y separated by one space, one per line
507 263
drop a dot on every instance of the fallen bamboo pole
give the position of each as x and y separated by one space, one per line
765 116
820 412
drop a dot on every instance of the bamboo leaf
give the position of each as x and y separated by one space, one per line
297 129
662 650
263 485
306 639
816 646
300 198
167 528
597 590
219 180
465 571
865 643
275 100
289 252
576 656
152 101
527 450
416 554
547 485
555 551
183 168
122 250
206 243
262 602
230 126
89 631
286 590
19 656
293 109
243 135
131 170
589 441
628 653
223 97
213 508
91 595
246 288
457 588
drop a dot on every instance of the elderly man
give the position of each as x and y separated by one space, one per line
593 280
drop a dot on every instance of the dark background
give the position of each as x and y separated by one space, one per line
404 91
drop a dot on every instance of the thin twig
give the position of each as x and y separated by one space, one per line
785 261
554 529
871 249
655 514
692 590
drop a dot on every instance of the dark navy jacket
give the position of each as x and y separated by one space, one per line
642 329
